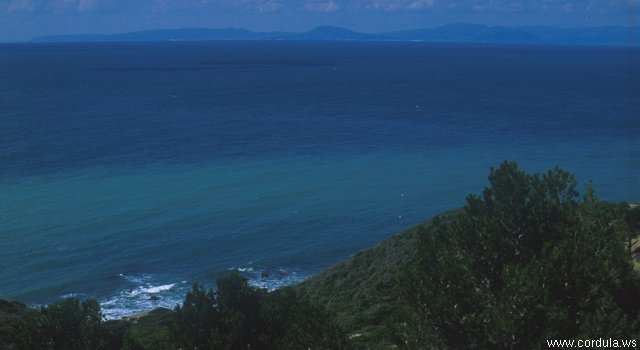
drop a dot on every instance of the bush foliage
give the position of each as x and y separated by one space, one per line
236 316
526 261
68 324
239 316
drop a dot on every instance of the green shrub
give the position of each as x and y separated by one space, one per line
528 260
66 325
239 316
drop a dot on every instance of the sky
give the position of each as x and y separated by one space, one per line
25 19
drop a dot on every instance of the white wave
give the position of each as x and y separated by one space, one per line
271 279
142 293
136 278
158 289
71 295
243 269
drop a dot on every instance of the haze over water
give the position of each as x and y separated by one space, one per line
131 170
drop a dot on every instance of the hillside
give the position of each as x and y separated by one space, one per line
364 290
507 246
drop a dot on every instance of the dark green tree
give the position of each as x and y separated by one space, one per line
66 325
632 219
528 260
238 316
196 320
240 324
292 322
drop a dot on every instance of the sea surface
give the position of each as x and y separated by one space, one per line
129 171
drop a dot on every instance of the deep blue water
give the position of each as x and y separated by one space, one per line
131 170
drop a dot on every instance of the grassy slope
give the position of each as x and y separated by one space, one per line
364 291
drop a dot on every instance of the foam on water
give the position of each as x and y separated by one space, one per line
271 279
142 293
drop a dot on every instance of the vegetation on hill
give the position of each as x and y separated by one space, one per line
365 290
239 316
68 324
10 313
528 260
235 316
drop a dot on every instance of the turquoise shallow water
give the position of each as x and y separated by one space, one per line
131 171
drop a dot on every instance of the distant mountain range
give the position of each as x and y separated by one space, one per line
459 32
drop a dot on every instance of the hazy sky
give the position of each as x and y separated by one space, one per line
24 19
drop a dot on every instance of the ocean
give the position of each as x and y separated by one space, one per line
129 171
